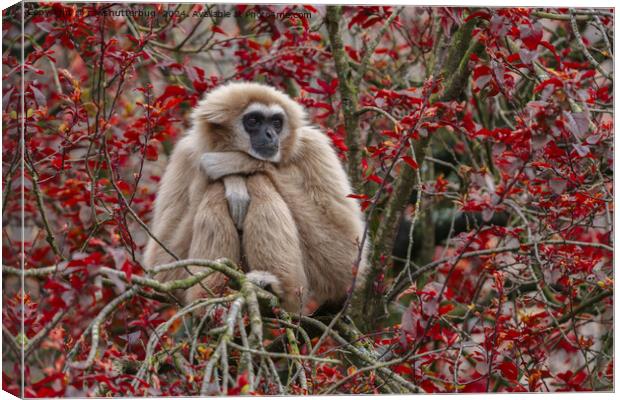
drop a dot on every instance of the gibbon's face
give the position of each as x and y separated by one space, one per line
264 126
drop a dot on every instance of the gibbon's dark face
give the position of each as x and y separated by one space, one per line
264 125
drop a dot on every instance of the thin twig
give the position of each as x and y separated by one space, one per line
34 342
583 47
398 286
94 330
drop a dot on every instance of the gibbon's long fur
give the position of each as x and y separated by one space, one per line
301 234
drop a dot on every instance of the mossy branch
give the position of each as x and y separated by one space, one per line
348 93
456 69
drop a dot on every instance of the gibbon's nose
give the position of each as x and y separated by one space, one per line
271 135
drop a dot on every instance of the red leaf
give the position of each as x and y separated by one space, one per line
57 161
152 152
375 178
126 268
39 254
513 58
54 286
579 378
509 370
123 186
253 45
531 35
479 14
588 74
446 308
403 370
481 70
411 162
552 81
172 91
217 29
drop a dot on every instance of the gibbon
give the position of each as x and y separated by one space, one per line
251 181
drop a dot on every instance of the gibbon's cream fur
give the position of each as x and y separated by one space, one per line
301 233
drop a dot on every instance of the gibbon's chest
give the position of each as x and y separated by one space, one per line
298 195
289 181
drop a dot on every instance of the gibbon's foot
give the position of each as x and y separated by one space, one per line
271 283
267 281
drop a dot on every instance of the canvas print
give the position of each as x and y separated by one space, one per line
241 199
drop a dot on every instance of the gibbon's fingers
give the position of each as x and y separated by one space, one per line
267 281
271 283
238 198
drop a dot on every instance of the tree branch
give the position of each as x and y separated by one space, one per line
348 94
456 67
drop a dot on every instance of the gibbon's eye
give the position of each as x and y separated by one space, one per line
277 123
252 120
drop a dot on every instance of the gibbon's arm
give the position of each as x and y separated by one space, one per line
324 177
220 164
170 223
326 184
315 159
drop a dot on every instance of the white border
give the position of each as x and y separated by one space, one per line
549 3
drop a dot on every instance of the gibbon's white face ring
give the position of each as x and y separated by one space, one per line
267 111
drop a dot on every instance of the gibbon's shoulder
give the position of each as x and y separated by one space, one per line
311 136
313 142
190 144
318 158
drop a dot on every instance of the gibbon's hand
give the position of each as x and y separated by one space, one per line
215 164
238 198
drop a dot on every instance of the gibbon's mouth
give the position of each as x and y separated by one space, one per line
267 152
